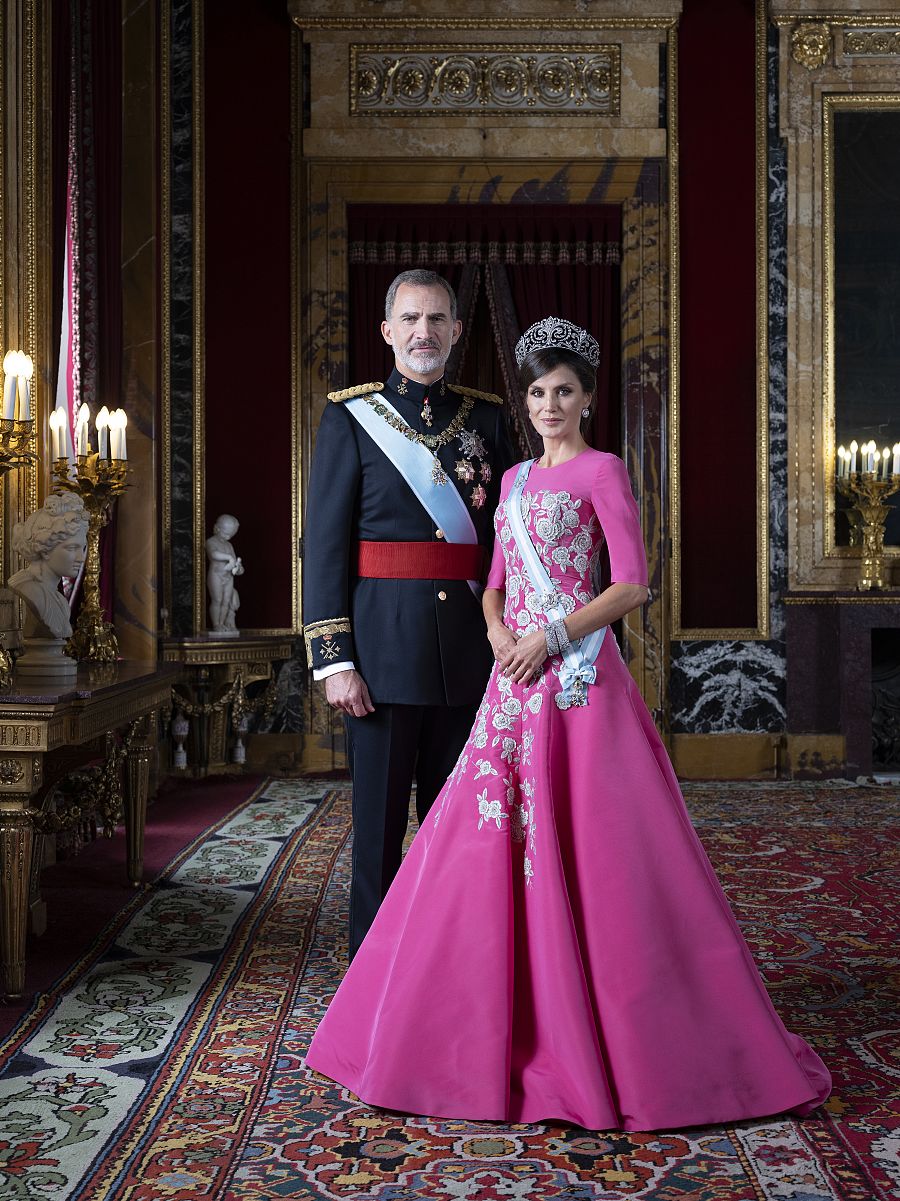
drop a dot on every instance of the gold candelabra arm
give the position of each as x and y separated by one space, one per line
98 482
869 496
16 443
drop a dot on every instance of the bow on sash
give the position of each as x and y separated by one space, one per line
415 462
577 669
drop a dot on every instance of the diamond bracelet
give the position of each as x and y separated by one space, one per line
558 641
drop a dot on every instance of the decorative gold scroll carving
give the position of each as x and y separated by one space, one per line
438 80
811 44
11 771
875 42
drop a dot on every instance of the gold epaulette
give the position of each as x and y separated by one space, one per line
489 396
359 390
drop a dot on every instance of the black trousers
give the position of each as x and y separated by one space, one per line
387 750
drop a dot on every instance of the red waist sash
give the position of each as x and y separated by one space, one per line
419 560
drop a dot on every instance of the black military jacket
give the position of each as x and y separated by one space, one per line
415 642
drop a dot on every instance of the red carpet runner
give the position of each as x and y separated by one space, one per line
172 1067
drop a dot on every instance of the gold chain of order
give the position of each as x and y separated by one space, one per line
432 441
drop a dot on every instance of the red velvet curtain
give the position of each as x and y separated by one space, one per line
717 401
535 260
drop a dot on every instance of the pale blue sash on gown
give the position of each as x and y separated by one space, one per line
415 462
577 670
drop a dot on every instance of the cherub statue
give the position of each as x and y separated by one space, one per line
54 541
224 565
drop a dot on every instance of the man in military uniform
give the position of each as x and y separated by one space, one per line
399 526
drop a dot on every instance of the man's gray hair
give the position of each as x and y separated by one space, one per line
418 278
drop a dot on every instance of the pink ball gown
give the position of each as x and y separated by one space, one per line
556 944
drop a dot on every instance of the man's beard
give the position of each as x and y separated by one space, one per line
423 364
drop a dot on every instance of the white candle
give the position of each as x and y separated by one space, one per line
65 435
841 462
123 421
102 424
26 371
54 436
885 463
10 366
895 466
114 435
854 447
876 462
81 430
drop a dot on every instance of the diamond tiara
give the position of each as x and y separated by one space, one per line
560 334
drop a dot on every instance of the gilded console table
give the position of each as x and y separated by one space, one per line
43 723
217 669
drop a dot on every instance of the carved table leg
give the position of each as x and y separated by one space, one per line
137 790
15 866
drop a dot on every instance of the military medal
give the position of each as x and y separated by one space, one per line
401 387
471 445
426 414
438 475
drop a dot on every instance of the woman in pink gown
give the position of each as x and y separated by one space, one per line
556 944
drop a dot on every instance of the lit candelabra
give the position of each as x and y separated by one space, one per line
16 424
867 477
99 477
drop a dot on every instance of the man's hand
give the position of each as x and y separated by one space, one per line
347 691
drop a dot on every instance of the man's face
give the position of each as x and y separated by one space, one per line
420 331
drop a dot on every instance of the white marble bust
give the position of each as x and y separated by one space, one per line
54 540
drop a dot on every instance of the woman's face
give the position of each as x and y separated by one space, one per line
67 557
555 401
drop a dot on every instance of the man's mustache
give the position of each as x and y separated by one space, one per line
424 346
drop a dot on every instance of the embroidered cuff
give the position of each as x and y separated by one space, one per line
328 641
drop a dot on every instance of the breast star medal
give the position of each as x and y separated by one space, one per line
471 446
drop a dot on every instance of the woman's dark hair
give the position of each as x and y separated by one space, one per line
547 358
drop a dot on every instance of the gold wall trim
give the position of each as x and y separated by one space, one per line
761 629
559 24
198 350
852 20
297 333
446 80
832 103
165 333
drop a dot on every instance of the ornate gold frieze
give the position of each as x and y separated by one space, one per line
529 79
811 44
872 42
21 735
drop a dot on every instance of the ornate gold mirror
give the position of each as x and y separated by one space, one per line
861 226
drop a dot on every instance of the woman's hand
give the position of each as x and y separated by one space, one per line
503 642
527 657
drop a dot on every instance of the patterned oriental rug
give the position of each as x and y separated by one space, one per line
169 1065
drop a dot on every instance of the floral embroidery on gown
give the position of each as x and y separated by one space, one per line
556 944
